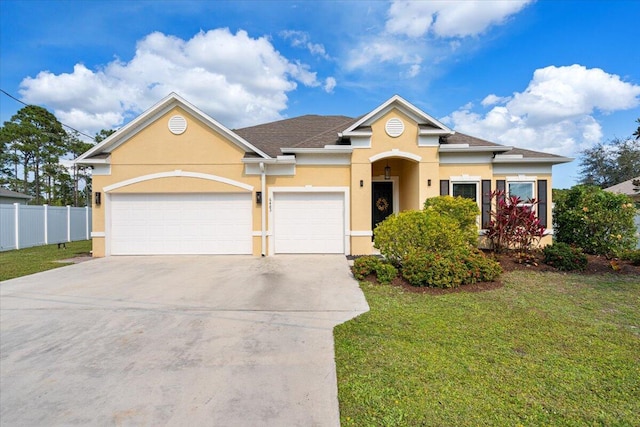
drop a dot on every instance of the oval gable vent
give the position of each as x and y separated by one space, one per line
394 127
177 125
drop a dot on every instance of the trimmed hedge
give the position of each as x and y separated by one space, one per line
408 231
449 269
564 257
370 264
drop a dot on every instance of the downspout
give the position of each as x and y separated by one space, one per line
263 207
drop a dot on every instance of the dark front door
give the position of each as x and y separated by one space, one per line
381 202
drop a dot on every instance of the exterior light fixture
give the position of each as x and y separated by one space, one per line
97 199
428 183
361 183
258 197
387 172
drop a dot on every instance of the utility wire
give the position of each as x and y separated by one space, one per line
67 126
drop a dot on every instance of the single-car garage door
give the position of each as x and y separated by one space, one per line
155 224
308 223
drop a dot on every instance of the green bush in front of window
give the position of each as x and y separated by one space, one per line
425 230
462 210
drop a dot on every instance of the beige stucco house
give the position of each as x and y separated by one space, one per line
176 181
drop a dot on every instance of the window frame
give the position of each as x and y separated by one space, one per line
475 184
477 181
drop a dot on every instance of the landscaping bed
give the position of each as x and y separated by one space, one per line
595 265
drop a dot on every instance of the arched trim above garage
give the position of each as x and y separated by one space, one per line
177 173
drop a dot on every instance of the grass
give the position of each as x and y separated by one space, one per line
546 349
22 262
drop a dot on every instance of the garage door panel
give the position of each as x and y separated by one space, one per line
146 224
309 222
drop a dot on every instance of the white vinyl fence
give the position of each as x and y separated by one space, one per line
23 226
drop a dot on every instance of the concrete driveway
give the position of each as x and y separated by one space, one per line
196 340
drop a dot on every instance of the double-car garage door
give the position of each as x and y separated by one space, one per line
157 224
221 223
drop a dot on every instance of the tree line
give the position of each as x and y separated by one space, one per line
33 142
32 145
612 162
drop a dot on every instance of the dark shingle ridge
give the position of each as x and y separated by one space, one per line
315 131
287 133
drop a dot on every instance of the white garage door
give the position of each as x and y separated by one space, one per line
154 224
308 223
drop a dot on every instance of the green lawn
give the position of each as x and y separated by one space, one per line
39 258
546 349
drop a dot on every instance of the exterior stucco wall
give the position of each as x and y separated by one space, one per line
202 150
155 149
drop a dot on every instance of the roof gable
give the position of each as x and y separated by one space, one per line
424 120
97 153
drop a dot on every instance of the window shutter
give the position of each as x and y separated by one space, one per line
542 202
444 187
486 202
501 185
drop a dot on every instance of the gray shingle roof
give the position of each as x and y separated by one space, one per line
13 194
313 131
310 131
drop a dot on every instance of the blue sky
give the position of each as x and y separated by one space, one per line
556 76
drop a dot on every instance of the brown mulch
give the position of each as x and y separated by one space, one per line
595 265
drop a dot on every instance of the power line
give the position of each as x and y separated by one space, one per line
67 126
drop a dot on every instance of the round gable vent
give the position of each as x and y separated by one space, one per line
177 125
394 127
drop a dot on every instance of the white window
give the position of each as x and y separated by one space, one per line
523 190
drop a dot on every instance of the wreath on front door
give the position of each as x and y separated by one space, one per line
382 204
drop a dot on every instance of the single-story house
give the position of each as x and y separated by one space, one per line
627 188
176 181
11 197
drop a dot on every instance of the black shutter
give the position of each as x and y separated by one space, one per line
501 185
486 202
444 187
542 202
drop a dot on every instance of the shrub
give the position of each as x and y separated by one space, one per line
442 270
514 224
449 269
407 231
631 255
481 268
598 221
366 265
386 273
463 211
564 257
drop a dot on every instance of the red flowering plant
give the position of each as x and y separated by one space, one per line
514 225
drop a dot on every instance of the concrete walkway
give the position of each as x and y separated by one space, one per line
198 340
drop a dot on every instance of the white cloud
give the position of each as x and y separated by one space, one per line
449 18
422 34
494 99
302 39
235 78
329 84
413 71
384 50
554 113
